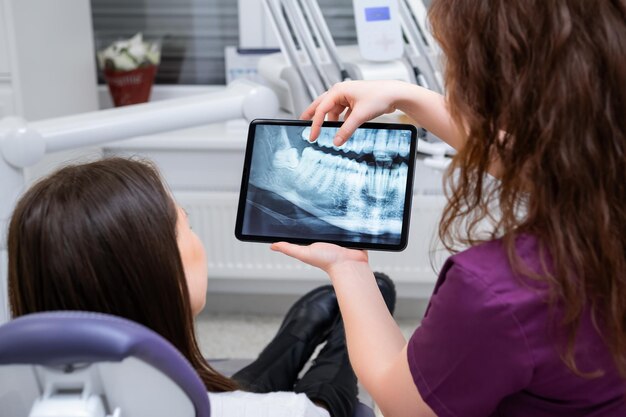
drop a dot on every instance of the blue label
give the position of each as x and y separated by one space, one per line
374 14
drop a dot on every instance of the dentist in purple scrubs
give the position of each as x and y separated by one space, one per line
529 320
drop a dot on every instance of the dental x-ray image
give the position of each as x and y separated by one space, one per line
355 194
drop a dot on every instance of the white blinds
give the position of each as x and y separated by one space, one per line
193 32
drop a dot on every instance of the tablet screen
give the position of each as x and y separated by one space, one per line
355 195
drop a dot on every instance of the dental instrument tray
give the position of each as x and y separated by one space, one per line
357 195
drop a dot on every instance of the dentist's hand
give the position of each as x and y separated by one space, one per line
325 256
364 100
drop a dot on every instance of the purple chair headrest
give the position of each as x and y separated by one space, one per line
59 338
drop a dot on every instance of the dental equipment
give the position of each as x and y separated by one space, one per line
82 364
438 153
311 62
24 144
420 15
322 33
378 29
302 32
290 50
420 53
419 76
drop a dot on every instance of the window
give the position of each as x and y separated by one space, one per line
193 33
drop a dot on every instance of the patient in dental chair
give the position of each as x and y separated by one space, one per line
108 237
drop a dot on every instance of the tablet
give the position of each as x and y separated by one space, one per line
357 195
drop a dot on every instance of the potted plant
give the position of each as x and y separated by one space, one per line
129 68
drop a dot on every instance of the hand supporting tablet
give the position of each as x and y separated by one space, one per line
356 195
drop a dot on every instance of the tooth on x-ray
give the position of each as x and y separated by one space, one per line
325 139
364 196
380 144
379 175
393 144
286 156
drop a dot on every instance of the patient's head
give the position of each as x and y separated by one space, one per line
108 237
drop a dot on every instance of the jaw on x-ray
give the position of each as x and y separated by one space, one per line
353 193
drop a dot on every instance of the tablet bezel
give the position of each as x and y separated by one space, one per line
243 192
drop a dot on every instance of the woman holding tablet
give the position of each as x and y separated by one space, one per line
531 319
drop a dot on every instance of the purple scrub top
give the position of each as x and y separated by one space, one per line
487 345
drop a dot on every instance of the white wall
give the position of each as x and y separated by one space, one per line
51 54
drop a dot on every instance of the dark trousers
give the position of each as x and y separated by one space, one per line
329 382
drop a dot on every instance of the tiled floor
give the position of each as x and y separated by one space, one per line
245 335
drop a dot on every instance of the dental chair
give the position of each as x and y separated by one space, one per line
75 364
78 364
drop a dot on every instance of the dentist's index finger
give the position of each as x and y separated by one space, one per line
327 105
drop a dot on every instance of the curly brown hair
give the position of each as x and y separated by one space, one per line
540 88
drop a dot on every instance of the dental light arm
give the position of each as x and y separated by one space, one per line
24 144
325 39
421 45
414 47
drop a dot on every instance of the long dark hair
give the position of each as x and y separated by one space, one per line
540 88
102 237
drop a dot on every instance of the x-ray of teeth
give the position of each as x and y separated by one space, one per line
381 143
354 192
